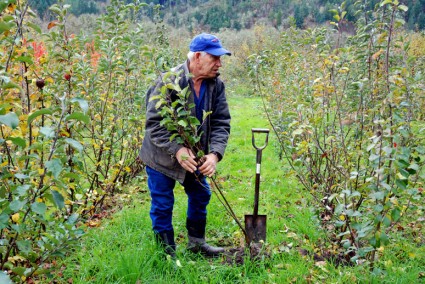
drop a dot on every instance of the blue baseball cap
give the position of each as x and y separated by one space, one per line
208 43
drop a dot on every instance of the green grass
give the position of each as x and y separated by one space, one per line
122 250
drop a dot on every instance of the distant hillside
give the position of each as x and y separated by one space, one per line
214 15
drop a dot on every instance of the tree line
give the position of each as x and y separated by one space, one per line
240 14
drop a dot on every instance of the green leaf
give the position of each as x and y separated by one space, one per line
23 189
24 59
347 244
72 219
4 278
55 8
158 104
402 163
19 270
193 120
10 119
395 214
404 8
401 183
378 208
172 137
48 132
414 167
21 176
38 113
385 185
18 141
4 219
16 205
386 221
58 198
373 157
374 242
385 2
5 26
404 173
182 123
82 102
420 149
10 85
54 166
78 116
24 246
39 208
384 239
205 114
34 27
378 195
74 144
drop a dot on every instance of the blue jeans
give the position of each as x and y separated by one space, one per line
162 198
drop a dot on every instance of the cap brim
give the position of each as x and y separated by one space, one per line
218 51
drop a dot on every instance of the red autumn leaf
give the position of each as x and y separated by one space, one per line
51 25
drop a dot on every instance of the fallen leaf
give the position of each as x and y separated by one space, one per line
93 223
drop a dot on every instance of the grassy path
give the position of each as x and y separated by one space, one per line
122 249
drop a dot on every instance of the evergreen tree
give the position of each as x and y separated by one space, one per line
300 13
41 7
79 7
421 22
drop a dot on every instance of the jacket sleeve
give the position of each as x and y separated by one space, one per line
158 134
220 122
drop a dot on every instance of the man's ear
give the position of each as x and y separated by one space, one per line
197 55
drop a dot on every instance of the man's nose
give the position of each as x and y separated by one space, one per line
219 63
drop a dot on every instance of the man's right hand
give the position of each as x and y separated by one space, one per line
186 159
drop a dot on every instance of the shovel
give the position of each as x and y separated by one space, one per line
255 225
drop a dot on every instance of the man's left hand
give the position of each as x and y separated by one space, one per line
209 166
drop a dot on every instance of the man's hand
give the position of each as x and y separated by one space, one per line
209 166
186 159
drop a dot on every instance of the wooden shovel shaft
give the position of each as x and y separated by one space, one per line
257 183
258 168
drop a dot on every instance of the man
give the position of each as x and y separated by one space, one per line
167 161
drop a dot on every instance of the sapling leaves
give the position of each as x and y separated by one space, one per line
345 126
205 114
72 133
176 110
10 119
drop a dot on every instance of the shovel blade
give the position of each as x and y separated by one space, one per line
255 228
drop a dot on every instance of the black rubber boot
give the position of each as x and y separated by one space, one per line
166 241
197 243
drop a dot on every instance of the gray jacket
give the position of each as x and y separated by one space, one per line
159 153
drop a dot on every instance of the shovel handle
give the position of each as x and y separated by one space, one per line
258 170
260 130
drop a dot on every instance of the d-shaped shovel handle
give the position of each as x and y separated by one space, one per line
260 130
257 175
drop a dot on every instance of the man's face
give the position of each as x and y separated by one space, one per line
207 66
